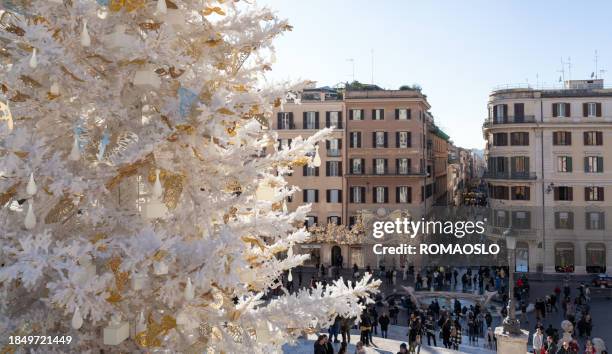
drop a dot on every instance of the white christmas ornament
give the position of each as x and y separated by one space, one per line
102 12
75 153
138 281
316 162
157 188
55 89
147 77
31 189
85 39
30 219
160 268
141 326
189 292
33 60
116 332
162 7
77 319
290 276
5 114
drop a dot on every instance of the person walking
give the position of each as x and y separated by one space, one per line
551 347
365 325
538 341
319 345
430 330
384 321
345 329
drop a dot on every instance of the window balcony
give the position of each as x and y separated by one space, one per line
334 152
373 172
508 120
511 175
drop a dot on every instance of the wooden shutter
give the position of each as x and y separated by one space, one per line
397 166
350 114
409 139
397 139
304 114
586 164
519 111
316 171
495 112
374 166
363 114
351 166
505 113
327 143
598 109
396 113
382 114
351 197
386 189
339 120
600 164
585 138
373 114
374 194
409 194
291 124
556 193
568 138
386 141
340 196
599 138
304 170
374 139
555 110
327 167
305 196
359 139
316 195
339 144
555 138
327 120
386 166
327 195
279 119
363 193
571 193
409 114
397 194
316 120
568 112
340 172
585 109
568 163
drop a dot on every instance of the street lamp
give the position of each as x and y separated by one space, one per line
511 324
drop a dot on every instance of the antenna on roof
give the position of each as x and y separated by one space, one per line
372 53
569 67
562 71
352 62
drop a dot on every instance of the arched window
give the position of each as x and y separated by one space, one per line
564 257
595 258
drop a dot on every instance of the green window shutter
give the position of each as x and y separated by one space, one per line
569 164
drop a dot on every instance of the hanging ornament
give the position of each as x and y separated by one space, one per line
33 59
75 153
146 77
162 7
77 319
103 143
290 276
30 219
189 292
5 114
85 39
116 332
54 89
157 187
31 188
160 268
138 281
102 13
141 326
316 161
285 209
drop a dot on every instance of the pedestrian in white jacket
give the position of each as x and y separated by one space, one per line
538 341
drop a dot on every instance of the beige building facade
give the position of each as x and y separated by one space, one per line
549 175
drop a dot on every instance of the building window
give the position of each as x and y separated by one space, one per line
520 165
501 218
334 220
310 171
561 110
333 168
380 139
594 220
284 144
378 114
357 195
562 138
356 166
333 119
500 139
520 193
402 114
519 112
594 194
380 166
595 258
355 139
591 109
333 147
285 120
311 195
593 138
564 164
402 166
564 220
356 114
311 221
593 164
499 192
311 120
403 194
334 196
403 139
500 113
521 220
564 193
519 139
381 195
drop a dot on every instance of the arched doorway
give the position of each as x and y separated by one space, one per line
521 257
564 257
595 258
336 256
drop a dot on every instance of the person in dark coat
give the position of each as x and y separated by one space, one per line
365 326
319 345
430 330
384 321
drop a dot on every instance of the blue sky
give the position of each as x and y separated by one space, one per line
456 50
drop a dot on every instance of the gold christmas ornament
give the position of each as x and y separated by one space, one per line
9 193
150 337
173 188
210 10
127 5
64 208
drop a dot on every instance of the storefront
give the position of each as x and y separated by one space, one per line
595 258
564 257
315 254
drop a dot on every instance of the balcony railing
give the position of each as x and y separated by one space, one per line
387 172
511 175
334 152
508 120
521 233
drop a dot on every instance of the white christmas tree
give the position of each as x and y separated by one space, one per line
133 144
